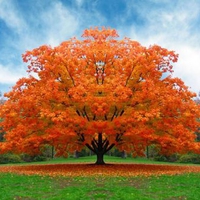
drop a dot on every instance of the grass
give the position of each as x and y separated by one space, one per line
17 187
35 187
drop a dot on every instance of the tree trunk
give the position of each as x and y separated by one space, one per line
100 160
100 147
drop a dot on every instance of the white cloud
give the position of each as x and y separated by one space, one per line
59 23
188 66
8 75
79 3
11 16
56 22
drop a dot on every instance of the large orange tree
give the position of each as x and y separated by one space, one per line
99 92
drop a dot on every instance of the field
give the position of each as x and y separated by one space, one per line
76 179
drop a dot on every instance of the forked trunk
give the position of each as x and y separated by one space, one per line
100 147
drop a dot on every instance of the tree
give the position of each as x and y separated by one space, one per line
1 132
100 92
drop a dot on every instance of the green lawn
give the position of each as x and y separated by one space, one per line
34 187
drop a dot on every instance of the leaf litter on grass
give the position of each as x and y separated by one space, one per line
73 170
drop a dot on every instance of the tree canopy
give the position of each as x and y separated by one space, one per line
100 92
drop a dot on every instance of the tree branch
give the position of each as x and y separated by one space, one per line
105 141
121 112
100 142
114 114
106 145
110 147
95 142
81 136
94 146
119 137
129 76
86 114
70 76
106 117
77 111
89 147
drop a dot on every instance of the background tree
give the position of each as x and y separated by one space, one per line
99 92
2 100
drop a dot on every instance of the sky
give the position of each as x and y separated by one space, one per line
28 24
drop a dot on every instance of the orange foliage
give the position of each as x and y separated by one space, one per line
100 85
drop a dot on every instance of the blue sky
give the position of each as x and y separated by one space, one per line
27 24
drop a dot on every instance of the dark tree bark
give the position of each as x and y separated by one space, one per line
100 147
100 160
